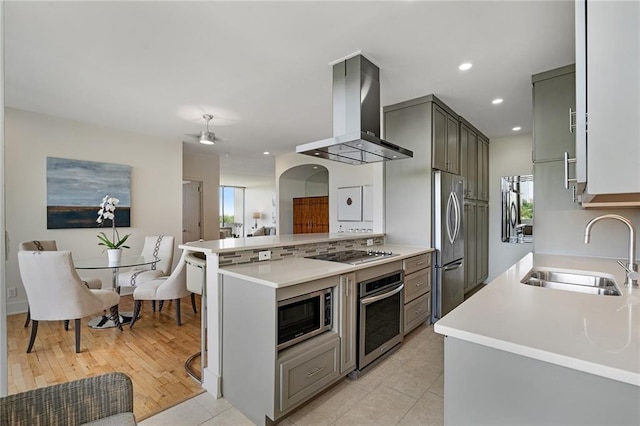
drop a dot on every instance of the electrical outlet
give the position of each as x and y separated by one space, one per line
369 241
12 292
264 255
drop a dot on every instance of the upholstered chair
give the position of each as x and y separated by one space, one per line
50 245
173 287
56 292
160 246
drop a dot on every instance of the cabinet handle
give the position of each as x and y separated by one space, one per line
419 311
568 161
314 372
419 263
419 284
572 122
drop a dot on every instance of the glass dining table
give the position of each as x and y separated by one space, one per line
102 262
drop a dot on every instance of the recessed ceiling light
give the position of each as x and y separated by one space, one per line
266 153
517 128
497 101
465 66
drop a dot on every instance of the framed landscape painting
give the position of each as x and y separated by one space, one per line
75 189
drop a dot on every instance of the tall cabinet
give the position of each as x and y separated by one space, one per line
440 139
474 167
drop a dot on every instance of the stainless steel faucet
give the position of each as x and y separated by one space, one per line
632 265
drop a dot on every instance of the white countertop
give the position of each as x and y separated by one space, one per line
291 271
234 244
586 332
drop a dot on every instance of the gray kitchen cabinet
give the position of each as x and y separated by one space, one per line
608 89
265 383
307 368
417 284
417 291
417 312
483 168
554 101
470 244
347 321
469 159
482 242
446 146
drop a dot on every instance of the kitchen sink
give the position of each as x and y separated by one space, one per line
572 281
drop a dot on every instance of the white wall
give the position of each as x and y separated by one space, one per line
339 175
156 185
508 156
205 167
559 223
317 185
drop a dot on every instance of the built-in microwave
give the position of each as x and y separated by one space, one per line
302 317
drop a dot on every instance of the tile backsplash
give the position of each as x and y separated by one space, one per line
305 250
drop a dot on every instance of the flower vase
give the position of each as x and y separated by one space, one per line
114 255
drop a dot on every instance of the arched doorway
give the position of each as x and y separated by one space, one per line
307 180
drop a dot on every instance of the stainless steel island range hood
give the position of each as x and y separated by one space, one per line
356 118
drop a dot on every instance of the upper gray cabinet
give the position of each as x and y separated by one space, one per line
446 146
608 102
469 159
554 102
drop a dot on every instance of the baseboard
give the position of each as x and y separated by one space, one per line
15 308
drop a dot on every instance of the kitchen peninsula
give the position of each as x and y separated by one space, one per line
243 295
521 354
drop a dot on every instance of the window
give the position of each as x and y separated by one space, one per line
232 211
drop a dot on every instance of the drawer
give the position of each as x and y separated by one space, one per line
417 312
417 284
416 263
308 373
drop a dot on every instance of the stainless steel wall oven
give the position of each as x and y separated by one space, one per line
380 311
302 317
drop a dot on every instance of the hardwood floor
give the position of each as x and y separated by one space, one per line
152 353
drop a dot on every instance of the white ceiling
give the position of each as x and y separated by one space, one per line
261 68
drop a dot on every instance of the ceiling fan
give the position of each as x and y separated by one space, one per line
205 137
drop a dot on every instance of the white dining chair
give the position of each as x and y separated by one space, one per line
56 292
173 287
160 246
50 245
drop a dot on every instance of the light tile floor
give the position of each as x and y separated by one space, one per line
407 388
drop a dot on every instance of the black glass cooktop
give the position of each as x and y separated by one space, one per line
353 257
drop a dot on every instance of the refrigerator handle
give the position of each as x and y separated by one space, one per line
452 266
456 209
450 235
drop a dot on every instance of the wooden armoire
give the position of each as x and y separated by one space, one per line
310 215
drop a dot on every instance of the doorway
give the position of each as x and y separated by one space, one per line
191 210
304 181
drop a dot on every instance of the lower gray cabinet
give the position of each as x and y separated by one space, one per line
347 321
482 242
417 291
417 312
307 368
470 244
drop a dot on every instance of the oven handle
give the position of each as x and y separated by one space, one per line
372 299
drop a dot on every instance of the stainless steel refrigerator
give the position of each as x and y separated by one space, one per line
448 240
